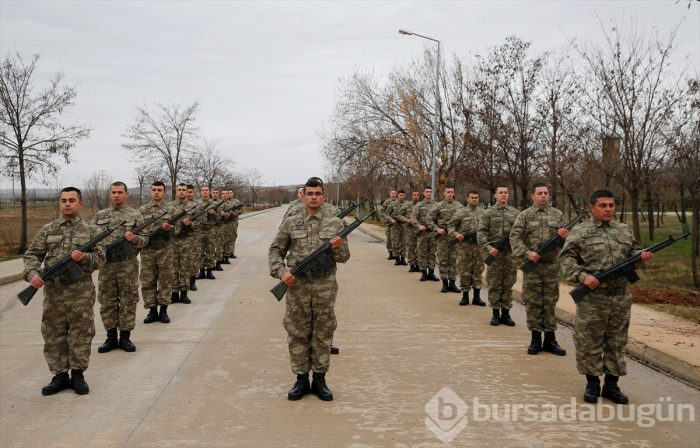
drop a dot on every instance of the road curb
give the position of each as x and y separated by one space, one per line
10 279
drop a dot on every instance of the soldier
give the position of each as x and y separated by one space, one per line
532 227
493 224
225 214
387 223
410 232
157 258
470 265
603 318
234 223
68 319
310 318
426 245
118 280
196 253
216 229
439 219
182 246
207 260
295 202
397 218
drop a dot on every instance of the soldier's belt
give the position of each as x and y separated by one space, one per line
117 258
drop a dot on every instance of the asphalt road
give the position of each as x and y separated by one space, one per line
218 375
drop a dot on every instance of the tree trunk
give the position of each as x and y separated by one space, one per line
634 205
23 201
696 242
650 212
684 218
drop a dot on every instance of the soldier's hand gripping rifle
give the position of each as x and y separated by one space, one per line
66 266
160 232
469 237
502 245
555 241
624 267
317 258
122 247
438 236
351 207
204 210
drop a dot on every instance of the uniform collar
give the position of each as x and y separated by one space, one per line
308 217
599 224
114 207
69 222
498 205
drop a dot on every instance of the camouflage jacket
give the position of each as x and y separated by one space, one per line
59 238
327 210
385 206
464 220
534 226
409 206
151 210
235 213
292 204
113 216
391 210
421 211
402 211
592 246
494 222
441 214
301 234
185 204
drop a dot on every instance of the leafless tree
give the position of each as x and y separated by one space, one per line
96 191
206 166
31 137
253 179
146 175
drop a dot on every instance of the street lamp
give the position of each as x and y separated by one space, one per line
437 100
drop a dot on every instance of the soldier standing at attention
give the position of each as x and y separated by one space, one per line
470 265
157 258
225 213
426 245
182 246
195 242
68 319
309 318
410 230
208 262
215 221
387 223
295 202
118 280
397 219
439 220
532 227
493 224
234 223
603 317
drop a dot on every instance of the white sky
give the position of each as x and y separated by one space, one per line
266 73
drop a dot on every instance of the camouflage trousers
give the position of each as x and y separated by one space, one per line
500 277
156 275
540 295
207 244
218 236
68 324
195 252
397 239
600 331
234 236
181 263
310 323
389 246
119 294
425 248
447 259
470 265
411 241
227 239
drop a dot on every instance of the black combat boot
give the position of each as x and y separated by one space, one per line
225 260
535 344
320 388
444 285
201 274
505 317
551 345
233 255
612 391
124 341
175 297
210 274
477 298
183 297
398 261
59 382
111 342
335 350
431 275
152 315
163 316
193 283
403 262
424 275
453 287
218 267
391 256
77 381
300 388
414 268
496 319
465 298
592 392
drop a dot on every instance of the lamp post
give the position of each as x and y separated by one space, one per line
437 101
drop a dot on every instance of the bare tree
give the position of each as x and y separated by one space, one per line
96 191
163 138
207 166
31 137
253 179
145 175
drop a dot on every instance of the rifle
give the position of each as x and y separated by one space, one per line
469 236
318 258
624 267
122 246
159 232
235 207
350 208
205 209
553 242
502 245
66 265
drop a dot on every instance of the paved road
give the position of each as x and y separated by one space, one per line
217 376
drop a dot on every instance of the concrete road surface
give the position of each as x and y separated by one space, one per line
218 375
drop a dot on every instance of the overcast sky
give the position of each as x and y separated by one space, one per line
266 73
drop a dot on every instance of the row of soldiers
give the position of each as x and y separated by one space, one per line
178 241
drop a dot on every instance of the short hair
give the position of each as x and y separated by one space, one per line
601 194
449 186
537 185
501 186
428 188
158 183
182 184
313 182
71 189
472 192
401 191
118 183
190 187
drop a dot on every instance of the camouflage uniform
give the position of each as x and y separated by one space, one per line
182 243
387 224
426 244
292 205
603 317
309 318
532 227
501 274
327 210
206 240
440 216
118 280
68 318
470 263
156 274
233 229
398 231
196 247
410 232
